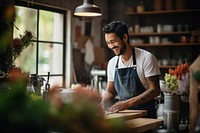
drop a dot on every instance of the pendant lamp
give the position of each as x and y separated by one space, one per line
87 9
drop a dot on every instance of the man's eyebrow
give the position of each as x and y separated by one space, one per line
113 39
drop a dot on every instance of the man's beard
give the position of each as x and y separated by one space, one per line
122 49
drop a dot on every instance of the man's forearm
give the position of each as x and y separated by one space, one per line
143 97
152 92
107 99
148 95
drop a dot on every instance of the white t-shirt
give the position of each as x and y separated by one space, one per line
146 63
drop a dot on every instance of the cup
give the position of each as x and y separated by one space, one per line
157 40
130 29
165 62
159 28
168 28
151 40
137 28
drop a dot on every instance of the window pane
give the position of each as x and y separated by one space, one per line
46 55
26 19
54 81
27 59
54 22
50 58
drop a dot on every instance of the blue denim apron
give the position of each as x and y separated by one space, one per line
128 85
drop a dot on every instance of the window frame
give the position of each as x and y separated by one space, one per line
65 13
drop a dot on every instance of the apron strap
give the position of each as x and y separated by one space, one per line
134 58
117 63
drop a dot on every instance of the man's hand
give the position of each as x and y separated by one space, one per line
119 106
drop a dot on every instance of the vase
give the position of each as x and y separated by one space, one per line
171 111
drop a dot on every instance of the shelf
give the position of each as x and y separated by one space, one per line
162 33
160 45
172 48
163 12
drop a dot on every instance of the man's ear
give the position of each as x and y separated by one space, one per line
125 37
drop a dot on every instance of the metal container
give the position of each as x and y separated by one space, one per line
171 111
172 102
37 83
172 121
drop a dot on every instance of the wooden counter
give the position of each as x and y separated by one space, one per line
135 120
127 114
143 124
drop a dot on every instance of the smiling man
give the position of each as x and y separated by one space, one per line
133 74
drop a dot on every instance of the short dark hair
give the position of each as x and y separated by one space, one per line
118 27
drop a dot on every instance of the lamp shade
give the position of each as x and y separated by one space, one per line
88 9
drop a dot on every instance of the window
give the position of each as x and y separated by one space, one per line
48 52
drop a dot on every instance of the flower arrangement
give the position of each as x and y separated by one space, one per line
177 80
17 46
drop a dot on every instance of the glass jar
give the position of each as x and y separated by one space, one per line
141 7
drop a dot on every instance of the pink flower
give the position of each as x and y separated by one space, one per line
184 84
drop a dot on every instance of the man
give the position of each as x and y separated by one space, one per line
133 74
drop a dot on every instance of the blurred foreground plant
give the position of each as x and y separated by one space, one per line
24 112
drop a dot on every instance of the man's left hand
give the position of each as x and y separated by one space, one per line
119 106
